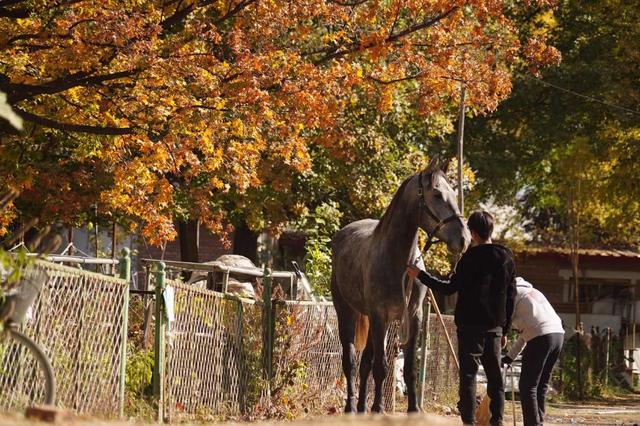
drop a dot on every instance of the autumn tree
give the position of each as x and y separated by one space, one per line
152 111
589 100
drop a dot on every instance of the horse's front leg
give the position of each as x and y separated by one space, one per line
409 372
378 332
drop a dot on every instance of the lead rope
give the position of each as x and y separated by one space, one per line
405 324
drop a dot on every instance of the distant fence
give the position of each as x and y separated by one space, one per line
79 319
215 355
212 354
440 386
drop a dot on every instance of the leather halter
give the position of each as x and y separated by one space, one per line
440 223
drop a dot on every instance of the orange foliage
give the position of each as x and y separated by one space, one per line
186 107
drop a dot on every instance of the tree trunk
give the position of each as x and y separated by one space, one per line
574 261
574 232
245 242
189 237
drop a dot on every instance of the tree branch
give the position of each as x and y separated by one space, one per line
21 92
355 46
177 17
14 13
348 3
232 12
52 124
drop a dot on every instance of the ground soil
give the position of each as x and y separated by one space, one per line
613 411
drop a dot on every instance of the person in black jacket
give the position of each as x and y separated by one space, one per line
484 279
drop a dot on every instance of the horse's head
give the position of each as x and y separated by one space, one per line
439 213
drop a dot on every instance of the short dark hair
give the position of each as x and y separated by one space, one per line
481 222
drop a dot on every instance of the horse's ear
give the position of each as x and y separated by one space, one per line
444 166
433 164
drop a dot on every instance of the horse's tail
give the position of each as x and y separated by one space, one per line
362 331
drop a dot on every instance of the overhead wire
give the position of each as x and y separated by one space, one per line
583 96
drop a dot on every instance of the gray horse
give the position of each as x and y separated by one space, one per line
369 259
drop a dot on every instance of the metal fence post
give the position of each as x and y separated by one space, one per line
267 348
125 274
159 347
423 359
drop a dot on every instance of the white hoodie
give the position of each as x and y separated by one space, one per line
533 316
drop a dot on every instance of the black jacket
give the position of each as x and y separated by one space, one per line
485 281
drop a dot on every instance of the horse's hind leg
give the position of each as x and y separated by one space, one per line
378 332
347 331
409 373
366 362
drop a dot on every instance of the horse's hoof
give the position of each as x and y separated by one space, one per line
414 410
377 410
349 408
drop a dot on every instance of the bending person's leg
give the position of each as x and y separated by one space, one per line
555 347
534 358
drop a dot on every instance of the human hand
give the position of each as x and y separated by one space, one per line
506 360
412 272
503 341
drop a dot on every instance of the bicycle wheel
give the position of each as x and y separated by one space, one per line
26 376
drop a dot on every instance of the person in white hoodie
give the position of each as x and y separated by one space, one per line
541 336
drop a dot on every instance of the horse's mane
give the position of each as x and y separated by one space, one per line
385 220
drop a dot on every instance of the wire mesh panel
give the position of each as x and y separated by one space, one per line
77 319
441 373
308 358
213 356
22 381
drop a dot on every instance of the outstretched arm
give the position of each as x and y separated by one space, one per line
450 286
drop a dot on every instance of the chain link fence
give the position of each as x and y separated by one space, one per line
213 357
79 321
216 355
218 364
441 373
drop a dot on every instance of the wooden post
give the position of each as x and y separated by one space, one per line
606 355
96 233
425 348
159 347
70 238
114 243
633 331
463 91
574 261
125 274
574 242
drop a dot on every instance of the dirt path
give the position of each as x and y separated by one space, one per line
620 411
613 411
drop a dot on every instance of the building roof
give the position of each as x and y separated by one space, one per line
626 254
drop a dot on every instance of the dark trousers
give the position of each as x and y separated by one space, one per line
538 359
475 347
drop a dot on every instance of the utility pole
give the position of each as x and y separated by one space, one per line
463 91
